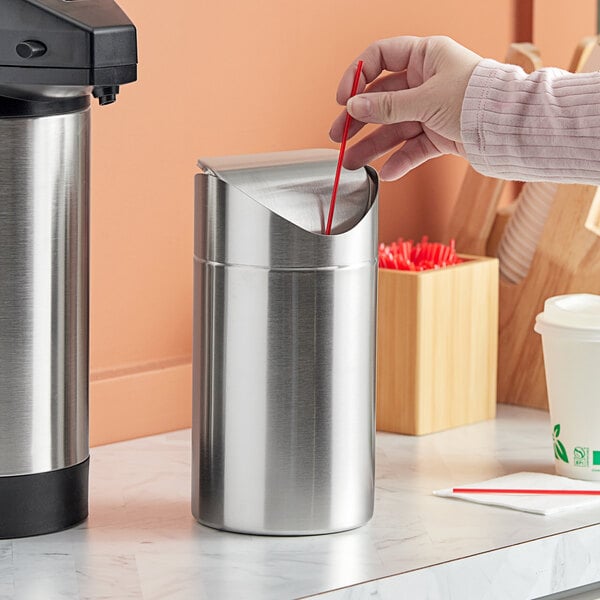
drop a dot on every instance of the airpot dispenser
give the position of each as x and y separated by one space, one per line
54 55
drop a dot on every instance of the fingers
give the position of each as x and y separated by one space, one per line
379 142
392 54
415 152
416 104
337 129
395 81
389 83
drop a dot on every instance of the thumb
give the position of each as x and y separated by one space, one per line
414 104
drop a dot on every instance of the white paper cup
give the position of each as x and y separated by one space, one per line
570 329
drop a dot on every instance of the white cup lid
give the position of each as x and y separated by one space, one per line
573 311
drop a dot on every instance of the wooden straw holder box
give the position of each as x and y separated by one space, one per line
437 347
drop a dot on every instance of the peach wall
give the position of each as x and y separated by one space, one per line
558 26
227 77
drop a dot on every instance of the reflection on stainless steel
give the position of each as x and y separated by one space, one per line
284 357
297 185
43 292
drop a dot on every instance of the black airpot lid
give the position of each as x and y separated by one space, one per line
66 43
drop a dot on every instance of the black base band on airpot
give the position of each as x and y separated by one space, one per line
43 502
15 108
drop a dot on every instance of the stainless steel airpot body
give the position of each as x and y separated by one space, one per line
54 55
284 345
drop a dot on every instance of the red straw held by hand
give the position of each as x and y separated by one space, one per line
342 150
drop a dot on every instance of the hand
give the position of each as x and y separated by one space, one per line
418 105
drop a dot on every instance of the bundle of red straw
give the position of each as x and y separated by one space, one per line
407 256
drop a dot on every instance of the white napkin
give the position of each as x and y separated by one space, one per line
539 504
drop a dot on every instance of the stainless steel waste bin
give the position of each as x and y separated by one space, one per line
284 345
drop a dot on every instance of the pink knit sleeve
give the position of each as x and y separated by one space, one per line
539 127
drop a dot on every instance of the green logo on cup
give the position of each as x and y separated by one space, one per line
560 452
581 456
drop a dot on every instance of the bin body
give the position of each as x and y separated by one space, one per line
284 367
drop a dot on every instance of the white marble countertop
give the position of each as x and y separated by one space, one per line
141 541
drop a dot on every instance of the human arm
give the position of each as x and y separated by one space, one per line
444 99
543 126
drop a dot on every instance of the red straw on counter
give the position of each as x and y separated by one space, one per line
338 172
405 255
525 491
